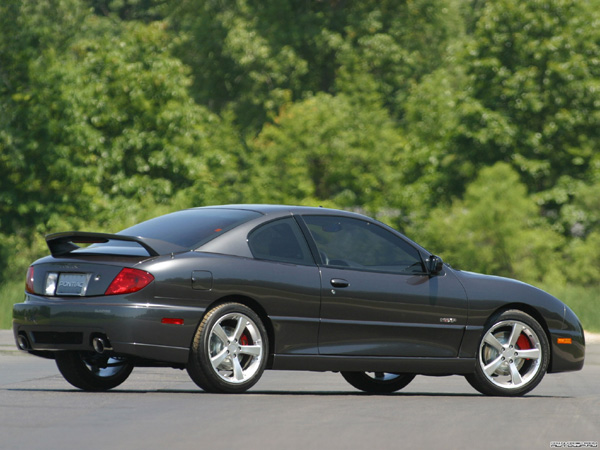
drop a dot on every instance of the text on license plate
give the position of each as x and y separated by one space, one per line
72 283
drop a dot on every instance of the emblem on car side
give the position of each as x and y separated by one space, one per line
448 319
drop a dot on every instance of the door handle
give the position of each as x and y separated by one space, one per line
339 283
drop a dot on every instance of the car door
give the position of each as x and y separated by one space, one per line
376 297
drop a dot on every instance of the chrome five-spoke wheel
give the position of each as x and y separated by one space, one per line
235 348
512 357
230 349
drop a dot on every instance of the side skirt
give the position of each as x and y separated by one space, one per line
425 366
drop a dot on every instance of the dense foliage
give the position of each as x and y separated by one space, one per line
472 126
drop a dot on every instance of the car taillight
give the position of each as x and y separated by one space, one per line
29 281
129 280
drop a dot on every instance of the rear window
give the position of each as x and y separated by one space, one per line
191 228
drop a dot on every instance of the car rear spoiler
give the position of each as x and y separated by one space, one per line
61 244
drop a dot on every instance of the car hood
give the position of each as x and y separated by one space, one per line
473 280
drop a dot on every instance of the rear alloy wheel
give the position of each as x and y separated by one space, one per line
378 382
229 352
91 371
512 357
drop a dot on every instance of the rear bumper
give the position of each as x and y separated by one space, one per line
133 329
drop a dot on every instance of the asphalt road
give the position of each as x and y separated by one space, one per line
163 409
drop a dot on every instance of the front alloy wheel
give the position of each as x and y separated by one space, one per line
513 356
229 352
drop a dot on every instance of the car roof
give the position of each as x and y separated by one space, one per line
275 211
268 209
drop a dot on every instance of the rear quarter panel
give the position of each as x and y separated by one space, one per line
288 294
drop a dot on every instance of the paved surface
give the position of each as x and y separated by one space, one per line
162 408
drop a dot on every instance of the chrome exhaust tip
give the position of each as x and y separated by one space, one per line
23 342
101 345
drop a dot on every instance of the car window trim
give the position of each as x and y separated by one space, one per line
316 254
312 245
312 261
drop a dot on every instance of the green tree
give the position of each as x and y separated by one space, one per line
329 149
28 31
255 56
388 46
537 65
582 261
524 91
109 119
241 59
432 120
141 10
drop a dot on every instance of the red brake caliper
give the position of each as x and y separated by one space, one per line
523 342
244 340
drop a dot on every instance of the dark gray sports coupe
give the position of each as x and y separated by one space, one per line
229 291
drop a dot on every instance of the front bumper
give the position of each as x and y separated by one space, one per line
568 345
133 329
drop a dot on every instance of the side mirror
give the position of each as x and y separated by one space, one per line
435 264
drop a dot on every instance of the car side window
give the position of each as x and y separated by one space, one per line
280 240
359 244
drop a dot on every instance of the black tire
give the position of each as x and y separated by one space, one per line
378 382
93 372
512 356
229 351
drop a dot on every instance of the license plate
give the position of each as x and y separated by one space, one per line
72 283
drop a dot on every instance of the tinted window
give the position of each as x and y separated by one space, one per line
192 227
354 243
280 240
